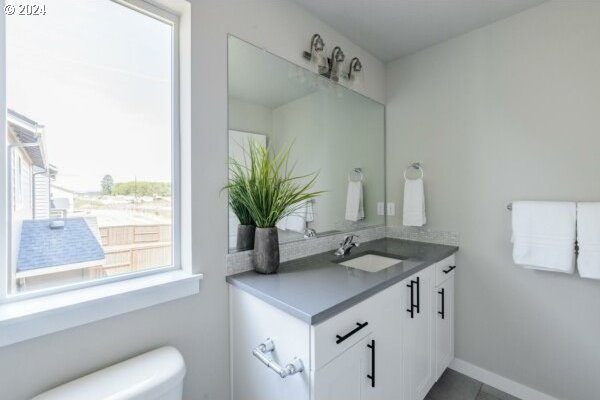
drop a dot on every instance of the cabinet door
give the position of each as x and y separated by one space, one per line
418 341
444 325
346 377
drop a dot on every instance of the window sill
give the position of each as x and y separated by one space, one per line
27 319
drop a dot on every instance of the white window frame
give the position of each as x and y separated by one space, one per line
26 315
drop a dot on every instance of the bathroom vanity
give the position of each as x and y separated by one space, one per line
321 330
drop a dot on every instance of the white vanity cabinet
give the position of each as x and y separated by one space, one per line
349 376
418 335
444 315
390 346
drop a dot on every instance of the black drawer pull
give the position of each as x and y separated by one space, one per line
359 326
450 268
414 305
443 312
372 375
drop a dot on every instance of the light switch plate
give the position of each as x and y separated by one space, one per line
380 208
391 209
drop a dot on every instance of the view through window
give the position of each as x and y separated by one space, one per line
90 141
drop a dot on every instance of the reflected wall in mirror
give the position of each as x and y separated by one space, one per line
331 129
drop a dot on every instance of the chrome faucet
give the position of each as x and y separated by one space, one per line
310 233
347 245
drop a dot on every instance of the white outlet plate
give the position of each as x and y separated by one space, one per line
391 209
380 208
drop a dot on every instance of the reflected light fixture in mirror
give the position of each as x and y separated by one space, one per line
337 58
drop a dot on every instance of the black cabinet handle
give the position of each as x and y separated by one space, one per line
418 295
372 375
414 305
450 268
443 312
359 326
411 310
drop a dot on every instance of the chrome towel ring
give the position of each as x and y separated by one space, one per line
417 166
357 171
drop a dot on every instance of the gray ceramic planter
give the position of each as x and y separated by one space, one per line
266 251
245 237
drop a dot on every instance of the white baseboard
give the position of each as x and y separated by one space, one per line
499 382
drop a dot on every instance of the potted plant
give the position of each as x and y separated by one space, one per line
269 191
247 226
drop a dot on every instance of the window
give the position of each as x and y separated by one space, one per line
92 140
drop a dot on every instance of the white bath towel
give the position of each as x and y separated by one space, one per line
354 201
543 235
414 203
588 236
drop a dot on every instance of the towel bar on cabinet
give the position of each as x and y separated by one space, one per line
267 347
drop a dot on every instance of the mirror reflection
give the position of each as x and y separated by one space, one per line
331 129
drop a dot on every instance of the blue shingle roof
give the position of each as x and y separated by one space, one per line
42 247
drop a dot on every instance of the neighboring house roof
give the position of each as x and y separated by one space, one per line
43 247
27 131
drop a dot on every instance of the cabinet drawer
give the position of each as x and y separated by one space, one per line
337 334
444 270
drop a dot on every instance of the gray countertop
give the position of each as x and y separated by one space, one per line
316 288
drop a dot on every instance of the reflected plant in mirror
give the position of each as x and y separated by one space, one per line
266 191
335 131
247 227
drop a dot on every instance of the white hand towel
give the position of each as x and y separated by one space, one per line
414 203
310 211
588 236
282 224
543 235
296 221
354 201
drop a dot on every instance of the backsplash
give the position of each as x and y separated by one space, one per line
242 261
422 235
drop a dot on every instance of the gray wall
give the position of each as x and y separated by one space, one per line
503 113
197 325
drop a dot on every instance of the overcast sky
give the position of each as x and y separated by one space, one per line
98 76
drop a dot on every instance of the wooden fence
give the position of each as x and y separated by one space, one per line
134 248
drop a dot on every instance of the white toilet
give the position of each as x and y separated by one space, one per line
156 375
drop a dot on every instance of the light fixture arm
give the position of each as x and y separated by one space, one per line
354 67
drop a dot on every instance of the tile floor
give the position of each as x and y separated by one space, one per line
453 385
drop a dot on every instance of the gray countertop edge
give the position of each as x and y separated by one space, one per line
345 304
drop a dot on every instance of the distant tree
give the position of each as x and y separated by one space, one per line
107 184
142 188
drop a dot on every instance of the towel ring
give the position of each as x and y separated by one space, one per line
416 166
356 171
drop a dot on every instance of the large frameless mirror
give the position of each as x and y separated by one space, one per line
331 129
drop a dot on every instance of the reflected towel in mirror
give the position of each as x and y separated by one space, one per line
354 201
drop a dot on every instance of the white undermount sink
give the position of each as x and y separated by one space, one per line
371 262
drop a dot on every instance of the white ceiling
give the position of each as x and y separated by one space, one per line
390 29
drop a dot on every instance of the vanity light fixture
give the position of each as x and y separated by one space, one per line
331 68
337 58
317 55
354 71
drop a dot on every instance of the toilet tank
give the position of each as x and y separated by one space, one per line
156 375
